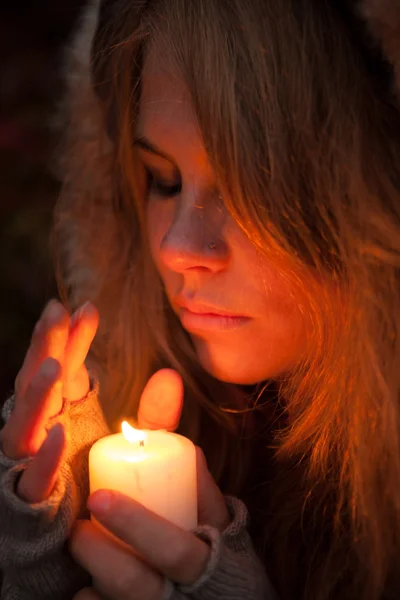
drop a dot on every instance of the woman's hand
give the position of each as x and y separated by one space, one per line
155 548
53 369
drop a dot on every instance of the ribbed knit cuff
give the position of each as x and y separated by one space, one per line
233 572
29 531
33 554
32 538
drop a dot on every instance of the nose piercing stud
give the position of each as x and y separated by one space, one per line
212 246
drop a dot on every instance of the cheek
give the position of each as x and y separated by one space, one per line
159 221
274 285
288 299
281 332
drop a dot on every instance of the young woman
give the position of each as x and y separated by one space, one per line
231 208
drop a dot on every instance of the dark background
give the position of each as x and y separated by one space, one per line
33 35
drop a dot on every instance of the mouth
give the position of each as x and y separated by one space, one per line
198 318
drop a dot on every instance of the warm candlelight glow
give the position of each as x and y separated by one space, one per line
133 435
154 467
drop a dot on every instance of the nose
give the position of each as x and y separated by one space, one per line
195 240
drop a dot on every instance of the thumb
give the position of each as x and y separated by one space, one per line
161 402
211 503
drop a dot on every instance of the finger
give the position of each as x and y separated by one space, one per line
87 594
25 431
83 327
178 554
38 480
161 402
211 502
49 340
117 572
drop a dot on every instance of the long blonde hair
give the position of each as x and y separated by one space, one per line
305 148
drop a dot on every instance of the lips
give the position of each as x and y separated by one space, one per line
198 317
203 308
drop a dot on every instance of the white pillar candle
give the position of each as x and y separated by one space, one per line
156 468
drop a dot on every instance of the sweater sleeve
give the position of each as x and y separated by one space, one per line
34 560
234 571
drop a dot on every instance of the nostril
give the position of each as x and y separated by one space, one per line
180 258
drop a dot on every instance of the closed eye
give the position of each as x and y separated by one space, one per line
160 187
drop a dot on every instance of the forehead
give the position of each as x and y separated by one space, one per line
165 100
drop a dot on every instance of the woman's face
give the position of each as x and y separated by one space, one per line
244 316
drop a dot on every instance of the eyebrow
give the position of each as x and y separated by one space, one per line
148 146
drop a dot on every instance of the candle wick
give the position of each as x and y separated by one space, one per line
141 444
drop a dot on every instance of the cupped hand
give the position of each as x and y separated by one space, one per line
158 551
155 550
53 371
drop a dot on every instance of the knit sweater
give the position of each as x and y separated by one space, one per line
33 556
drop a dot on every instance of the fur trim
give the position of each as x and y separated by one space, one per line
383 20
84 163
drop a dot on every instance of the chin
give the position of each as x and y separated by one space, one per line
236 368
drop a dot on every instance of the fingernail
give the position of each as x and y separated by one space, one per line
38 328
85 309
55 312
100 502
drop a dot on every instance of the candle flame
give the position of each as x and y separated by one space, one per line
133 435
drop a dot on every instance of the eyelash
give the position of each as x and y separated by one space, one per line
162 189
